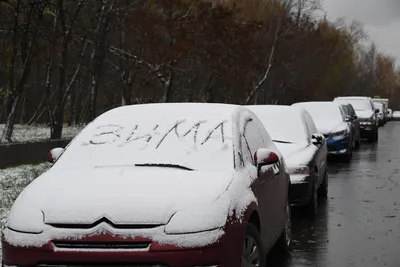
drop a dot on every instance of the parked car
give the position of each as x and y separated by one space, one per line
329 118
396 115
304 150
385 103
381 117
366 112
352 119
390 114
157 184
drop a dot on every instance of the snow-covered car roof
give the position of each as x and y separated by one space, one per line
353 97
322 112
192 135
283 123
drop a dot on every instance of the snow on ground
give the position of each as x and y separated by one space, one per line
12 182
24 133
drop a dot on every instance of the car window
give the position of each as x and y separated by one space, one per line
310 125
352 111
346 109
254 137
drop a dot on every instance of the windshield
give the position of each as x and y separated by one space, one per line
150 138
379 106
358 104
284 124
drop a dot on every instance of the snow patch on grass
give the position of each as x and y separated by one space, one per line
24 133
12 182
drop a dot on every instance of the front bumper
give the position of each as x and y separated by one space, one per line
338 147
366 129
226 252
300 189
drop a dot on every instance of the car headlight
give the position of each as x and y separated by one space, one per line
299 170
339 135
26 221
198 220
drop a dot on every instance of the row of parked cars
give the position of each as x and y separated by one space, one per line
185 184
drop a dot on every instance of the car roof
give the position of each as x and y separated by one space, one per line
316 103
353 97
275 108
163 109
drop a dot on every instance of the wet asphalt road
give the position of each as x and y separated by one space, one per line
359 223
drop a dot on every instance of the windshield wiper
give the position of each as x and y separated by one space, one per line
161 165
282 142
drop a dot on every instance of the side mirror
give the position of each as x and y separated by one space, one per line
347 119
53 155
317 139
354 117
264 157
376 111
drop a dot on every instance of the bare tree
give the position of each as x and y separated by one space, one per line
99 52
18 79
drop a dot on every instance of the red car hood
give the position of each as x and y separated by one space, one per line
122 195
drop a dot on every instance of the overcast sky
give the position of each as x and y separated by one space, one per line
381 19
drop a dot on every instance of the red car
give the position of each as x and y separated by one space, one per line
156 185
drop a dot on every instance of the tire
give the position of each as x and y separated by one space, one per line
323 188
284 242
252 246
376 135
312 206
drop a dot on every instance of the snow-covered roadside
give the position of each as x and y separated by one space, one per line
12 182
24 133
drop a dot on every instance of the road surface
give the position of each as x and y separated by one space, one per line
359 224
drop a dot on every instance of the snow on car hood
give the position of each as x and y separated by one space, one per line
364 114
131 196
297 154
122 195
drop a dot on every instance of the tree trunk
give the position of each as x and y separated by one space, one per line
9 127
98 55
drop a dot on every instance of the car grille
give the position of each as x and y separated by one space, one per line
102 245
103 220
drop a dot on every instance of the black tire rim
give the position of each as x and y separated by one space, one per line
251 252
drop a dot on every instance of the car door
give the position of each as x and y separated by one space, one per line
265 187
356 122
320 156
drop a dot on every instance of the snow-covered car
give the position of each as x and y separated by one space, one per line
367 114
329 118
304 150
156 185
396 115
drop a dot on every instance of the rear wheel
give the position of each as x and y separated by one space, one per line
253 250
